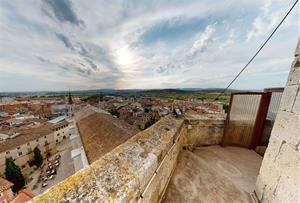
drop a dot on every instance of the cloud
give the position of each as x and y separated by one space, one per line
65 40
271 13
204 38
93 66
80 49
229 41
142 44
63 11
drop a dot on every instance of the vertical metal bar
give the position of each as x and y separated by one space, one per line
260 118
223 143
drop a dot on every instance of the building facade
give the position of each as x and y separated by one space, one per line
45 137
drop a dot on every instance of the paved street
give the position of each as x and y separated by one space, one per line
65 169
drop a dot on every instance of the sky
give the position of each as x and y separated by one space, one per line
142 44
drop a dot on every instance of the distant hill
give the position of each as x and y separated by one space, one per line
163 91
121 91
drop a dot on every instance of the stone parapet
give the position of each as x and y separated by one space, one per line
202 130
137 170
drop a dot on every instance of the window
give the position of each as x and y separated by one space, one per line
19 148
29 150
37 140
20 153
45 137
56 141
8 152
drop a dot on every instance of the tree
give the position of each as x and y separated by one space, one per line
38 158
150 122
13 174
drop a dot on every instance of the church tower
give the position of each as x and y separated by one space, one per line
70 105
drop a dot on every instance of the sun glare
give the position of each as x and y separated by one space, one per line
124 56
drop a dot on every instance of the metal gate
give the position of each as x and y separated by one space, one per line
271 115
246 118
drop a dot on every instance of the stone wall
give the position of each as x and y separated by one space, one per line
139 169
203 130
279 177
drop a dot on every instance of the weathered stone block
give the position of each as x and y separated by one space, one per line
287 161
267 181
273 149
287 127
288 98
288 188
205 132
158 182
296 108
269 171
297 51
294 75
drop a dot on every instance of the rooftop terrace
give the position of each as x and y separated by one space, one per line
140 170
214 174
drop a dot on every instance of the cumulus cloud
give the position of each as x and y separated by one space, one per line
204 39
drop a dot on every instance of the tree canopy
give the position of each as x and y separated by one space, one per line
13 174
38 158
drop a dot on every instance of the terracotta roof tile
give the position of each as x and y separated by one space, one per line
5 184
101 132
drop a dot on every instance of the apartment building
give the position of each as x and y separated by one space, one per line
23 140
60 128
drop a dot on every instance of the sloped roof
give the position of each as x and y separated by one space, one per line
101 132
5 184
23 196
26 134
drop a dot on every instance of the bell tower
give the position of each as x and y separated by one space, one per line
70 105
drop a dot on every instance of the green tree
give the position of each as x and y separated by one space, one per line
13 174
150 122
38 158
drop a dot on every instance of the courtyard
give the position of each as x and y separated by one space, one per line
64 169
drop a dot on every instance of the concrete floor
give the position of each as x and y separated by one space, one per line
214 174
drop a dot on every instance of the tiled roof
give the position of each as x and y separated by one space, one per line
26 134
101 132
5 184
23 196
